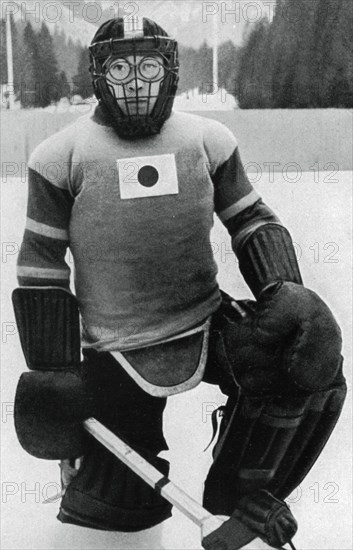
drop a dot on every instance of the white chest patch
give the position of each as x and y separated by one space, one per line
147 176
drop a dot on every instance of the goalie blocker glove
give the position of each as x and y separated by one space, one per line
52 399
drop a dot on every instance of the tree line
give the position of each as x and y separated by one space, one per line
303 58
45 67
48 67
196 67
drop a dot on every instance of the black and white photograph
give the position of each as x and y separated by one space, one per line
176 274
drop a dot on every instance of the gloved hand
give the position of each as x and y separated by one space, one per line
289 336
295 317
50 407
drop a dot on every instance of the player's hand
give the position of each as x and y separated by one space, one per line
298 318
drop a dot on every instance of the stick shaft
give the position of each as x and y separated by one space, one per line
176 496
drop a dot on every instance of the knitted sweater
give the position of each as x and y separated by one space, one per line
137 217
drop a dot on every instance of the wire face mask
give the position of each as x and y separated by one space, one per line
134 81
135 76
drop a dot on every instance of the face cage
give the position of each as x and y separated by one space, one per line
134 108
144 120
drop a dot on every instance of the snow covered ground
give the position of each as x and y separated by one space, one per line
317 210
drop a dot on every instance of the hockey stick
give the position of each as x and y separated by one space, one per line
176 496
216 533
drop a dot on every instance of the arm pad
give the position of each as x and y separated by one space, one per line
268 256
48 324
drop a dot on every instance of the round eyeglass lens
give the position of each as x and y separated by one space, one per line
150 68
119 70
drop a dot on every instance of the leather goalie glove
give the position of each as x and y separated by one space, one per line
287 342
289 316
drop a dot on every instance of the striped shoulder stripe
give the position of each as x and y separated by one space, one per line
47 230
42 272
239 206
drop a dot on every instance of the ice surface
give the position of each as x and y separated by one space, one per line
317 210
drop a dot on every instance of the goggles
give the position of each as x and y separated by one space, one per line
122 71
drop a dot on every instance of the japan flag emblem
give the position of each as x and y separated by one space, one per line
147 176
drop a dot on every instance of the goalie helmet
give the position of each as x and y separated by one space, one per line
135 75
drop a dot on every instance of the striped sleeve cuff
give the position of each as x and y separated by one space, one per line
237 207
233 191
35 272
